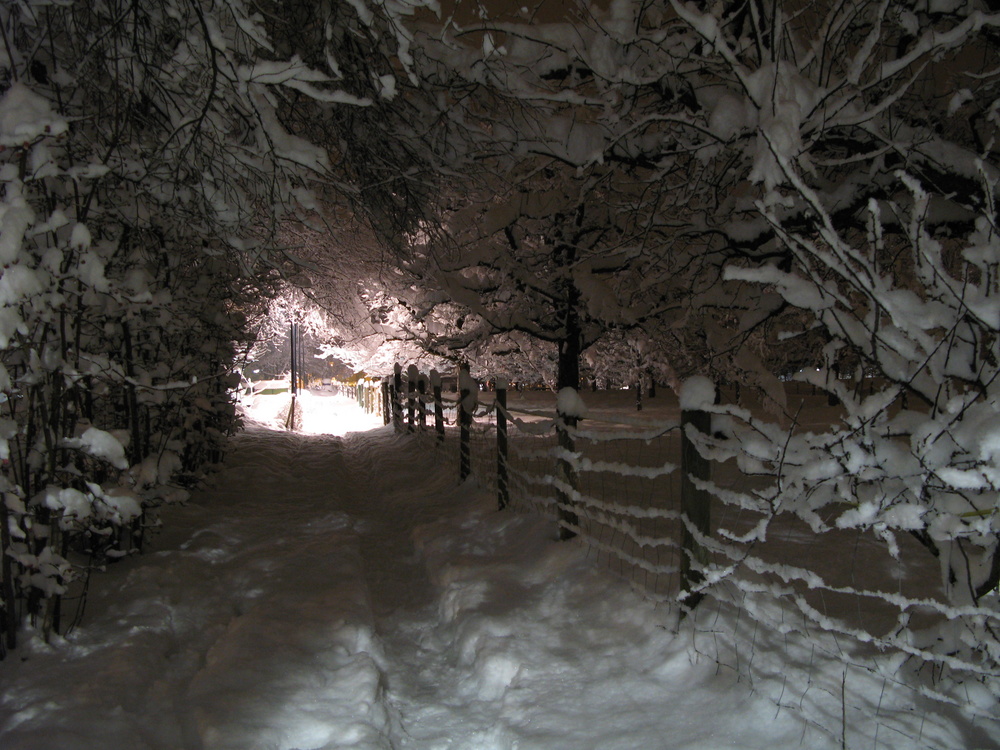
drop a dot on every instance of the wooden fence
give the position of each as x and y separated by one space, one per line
627 489
684 529
637 491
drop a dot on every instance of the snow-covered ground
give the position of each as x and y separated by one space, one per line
337 589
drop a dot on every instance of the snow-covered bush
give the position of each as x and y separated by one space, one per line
148 151
862 139
115 352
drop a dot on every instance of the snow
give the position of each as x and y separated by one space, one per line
118 504
80 237
100 444
468 385
66 499
337 588
296 74
570 404
25 116
17 284
15 218
729 116
387 87
696 393
285 145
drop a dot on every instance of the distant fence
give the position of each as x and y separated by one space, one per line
648 504
636 490
628 488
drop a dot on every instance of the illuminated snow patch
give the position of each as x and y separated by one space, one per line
320 413
328 414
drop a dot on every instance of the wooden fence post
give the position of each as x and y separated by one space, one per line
695 506
386 412
397 397
466 405
411 389
569 409
567 517
503 493
438 405
421 402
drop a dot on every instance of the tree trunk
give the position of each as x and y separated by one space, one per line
136 447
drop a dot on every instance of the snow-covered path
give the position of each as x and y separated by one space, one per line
343 592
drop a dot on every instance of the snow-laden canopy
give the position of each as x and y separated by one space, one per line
743 192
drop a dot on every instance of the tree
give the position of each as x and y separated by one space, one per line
567 230
817 181
864 141
149 154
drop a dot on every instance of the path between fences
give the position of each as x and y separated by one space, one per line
330 592
333 592
350 592
465 627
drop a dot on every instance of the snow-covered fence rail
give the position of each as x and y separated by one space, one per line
812 584
410 401
623 490
623 485
372 394
611 480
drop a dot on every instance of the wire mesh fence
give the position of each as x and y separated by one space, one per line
783 599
